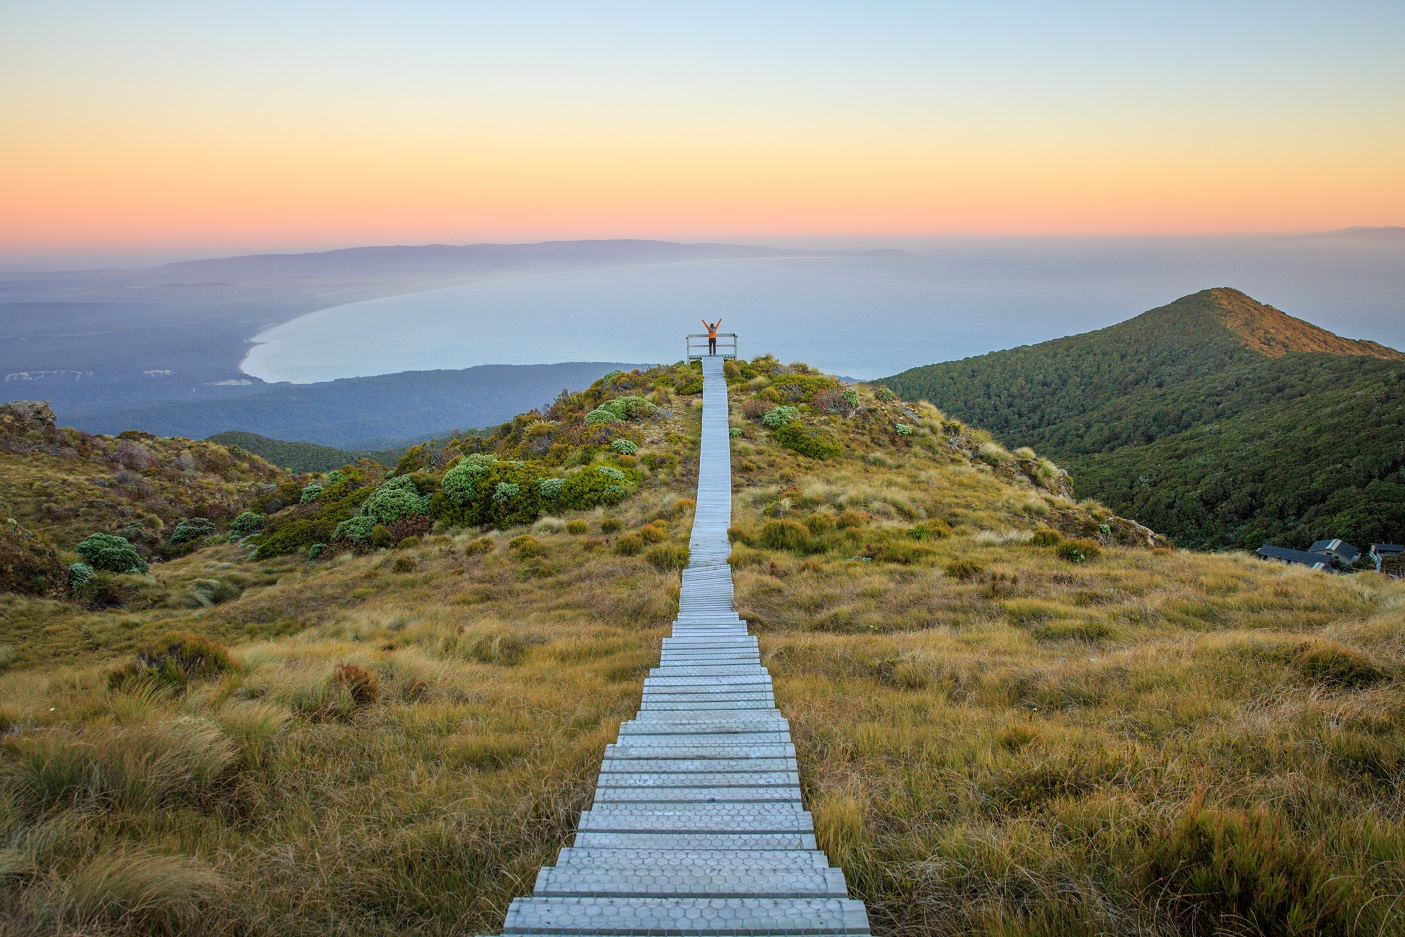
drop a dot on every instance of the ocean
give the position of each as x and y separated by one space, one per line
862 315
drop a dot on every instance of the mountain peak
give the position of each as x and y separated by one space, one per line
1271 332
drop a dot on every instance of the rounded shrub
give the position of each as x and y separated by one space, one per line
357 530
112 553
459 484
902 429
314 552
624 446
247 523
191 529
609 525
601 416
577 526
850 397
808 441
883 393
550 488
1046 537
311 493
397 498
777 417
629 545
525 546
80 577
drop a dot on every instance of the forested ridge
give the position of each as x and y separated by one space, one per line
1217 420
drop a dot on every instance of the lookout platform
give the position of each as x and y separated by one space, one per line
697 828
697 346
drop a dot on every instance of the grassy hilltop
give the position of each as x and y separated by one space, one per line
1217 420
1015 713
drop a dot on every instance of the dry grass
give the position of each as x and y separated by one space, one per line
993 739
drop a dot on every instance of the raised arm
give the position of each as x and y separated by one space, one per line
718 323
705 325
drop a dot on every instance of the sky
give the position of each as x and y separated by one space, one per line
221 127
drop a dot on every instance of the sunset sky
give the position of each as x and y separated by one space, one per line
210 127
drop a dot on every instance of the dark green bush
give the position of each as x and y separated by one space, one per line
190 529
394 500
595 485
488 492
381 537
247 523
174 660
310 494
808 441
112 553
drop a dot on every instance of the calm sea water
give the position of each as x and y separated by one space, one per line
862 316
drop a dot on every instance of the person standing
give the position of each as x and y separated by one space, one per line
712 334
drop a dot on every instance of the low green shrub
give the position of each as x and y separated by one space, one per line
174 660
808 441
190 529
355 530
112 553
80 577
314 552
247 523
311 493
799 388
850 397
550 488
601 416
902 429
397 498
882 393
776 417
624 446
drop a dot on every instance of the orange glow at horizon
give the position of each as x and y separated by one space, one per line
213 130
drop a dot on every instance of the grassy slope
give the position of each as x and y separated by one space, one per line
1018 744
1215 419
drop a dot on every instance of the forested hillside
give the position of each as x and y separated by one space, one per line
1216 419
303 456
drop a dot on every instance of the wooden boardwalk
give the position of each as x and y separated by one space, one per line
697 826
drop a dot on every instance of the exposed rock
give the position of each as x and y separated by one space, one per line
36 412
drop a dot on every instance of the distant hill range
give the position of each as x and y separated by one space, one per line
363 412
116 341
1216 419
304 456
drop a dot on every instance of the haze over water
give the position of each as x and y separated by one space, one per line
863 316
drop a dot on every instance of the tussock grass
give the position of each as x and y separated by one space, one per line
993 738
